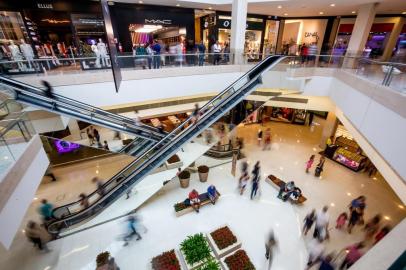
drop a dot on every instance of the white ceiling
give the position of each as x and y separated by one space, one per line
293 8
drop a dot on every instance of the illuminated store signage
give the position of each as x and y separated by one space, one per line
157 21
310 34
45 6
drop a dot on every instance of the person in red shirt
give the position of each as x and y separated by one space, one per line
353 254
194 200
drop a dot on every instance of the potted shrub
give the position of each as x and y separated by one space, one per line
203 173
182 208
173 162
166 261
211 264
223 241
184 179
195 250
239 260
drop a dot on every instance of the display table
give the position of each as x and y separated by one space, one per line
349 159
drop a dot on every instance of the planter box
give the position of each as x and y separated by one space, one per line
182 267
223 263
184 211
194 266
223 252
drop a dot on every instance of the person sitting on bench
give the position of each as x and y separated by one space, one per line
212 194
296 193
194 200
285 190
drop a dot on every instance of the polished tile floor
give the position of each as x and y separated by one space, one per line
250 220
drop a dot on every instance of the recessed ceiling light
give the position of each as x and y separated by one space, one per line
353 12
209 7
279 6
286 14
404 12
332 5
321 12
140 2
178 5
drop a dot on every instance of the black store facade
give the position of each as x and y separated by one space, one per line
139 24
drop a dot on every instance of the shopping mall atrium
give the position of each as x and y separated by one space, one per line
202 134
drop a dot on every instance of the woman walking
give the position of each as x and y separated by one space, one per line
309 163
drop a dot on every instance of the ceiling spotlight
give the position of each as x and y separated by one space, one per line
279 6
140 2
178 5
210 7
332 5
353 12
404 12
321 12
286 14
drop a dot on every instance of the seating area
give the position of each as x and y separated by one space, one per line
185 207
277 183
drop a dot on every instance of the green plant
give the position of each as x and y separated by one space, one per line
195 248
210 265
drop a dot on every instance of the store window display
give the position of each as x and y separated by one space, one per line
101 47
28 54
271 37
16 55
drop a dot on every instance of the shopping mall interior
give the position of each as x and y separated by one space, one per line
203 135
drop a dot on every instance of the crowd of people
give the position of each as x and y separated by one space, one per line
156 54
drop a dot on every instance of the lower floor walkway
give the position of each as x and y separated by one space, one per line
250 220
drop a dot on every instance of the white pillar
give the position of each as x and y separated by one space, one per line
393 38
363 24
329 128
74 129
238 26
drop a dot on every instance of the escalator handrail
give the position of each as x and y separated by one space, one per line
81 105
255 72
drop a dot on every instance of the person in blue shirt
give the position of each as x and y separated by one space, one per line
201 50
45 210
157 54
131 223
212 194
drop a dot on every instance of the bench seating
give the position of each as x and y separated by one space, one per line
277 183
204 200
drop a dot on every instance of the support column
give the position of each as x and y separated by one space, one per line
363 24
238 26
74 130
330 126
393 38
279 44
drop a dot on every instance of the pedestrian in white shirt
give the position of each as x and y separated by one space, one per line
321 226
315 249
216 48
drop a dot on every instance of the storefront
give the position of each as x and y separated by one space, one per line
303 31
135 25
270 36
45 30
219 28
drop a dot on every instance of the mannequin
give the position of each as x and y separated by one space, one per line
27 52
97 53
103 52
16 55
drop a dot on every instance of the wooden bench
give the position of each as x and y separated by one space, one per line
277 183
204 200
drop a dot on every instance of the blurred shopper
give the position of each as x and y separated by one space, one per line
320 167
156 58
243 182
267 139
372 227
96 135
309 163
270 245
327 263
137 118
341 220
212 194
131 223
322 222
315 249
304 52
255 179
308 221
106 146
45 210
194 200
201 49
90 136
195 113
48 91
285 190
37 235
99 185
381 234
50 174
216 50
226 53
259 137
84 201
149 53
353 255
357 208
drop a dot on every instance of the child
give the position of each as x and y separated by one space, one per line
309 163
308 221
341 220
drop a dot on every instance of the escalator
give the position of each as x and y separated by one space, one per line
34 96
72 214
